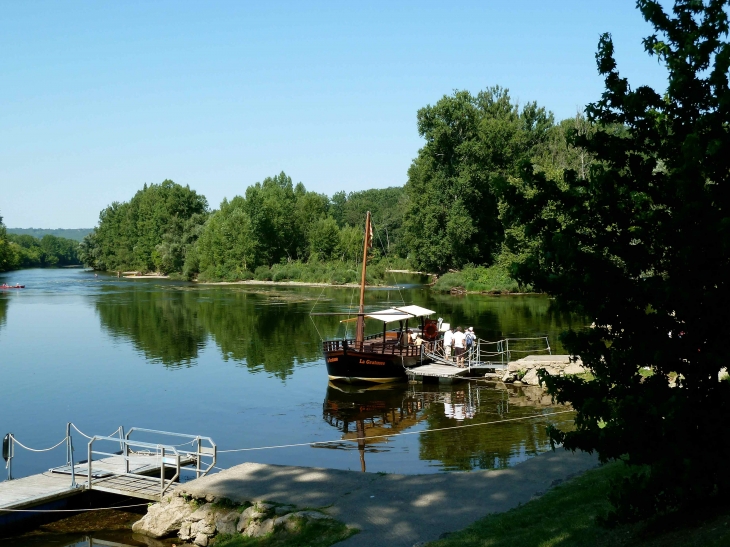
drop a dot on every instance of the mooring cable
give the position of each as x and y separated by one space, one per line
395 434
72 510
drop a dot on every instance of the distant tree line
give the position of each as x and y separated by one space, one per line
77 234
25 251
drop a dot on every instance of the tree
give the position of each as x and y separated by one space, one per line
324 238
472 143
640 245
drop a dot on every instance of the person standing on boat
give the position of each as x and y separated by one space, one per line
448 342
459 345
471 340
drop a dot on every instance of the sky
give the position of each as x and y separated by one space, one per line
99 98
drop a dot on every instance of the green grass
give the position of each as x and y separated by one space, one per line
569 515
311 534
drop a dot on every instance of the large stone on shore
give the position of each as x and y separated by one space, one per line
256 528
201 540
163 519
226 523
291 522
575 368
531 378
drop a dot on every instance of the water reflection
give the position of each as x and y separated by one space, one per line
370 414
265 328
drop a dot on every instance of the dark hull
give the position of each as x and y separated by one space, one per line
356 366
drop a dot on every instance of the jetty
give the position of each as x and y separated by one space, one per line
484 358
140 463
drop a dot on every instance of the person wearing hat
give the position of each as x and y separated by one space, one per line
471 340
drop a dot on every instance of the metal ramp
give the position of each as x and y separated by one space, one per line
484 355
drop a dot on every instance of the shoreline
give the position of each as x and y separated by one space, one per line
292 284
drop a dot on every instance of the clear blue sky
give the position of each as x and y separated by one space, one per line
97 98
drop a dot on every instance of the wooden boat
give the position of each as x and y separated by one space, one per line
382 357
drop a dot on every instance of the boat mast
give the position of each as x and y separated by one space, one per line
360 333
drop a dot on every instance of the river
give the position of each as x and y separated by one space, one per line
243 364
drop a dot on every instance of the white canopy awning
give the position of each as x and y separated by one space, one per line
416 311
399 314
389 315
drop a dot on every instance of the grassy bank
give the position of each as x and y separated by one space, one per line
480 279
334 273
569 515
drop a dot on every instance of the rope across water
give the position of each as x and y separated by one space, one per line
395 434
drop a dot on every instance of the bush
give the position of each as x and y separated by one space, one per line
263 273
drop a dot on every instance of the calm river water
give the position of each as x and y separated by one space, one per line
243 365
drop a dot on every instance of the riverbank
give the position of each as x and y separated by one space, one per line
569 515
390 509
291 284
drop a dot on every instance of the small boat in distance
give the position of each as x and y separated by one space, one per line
16 286
385 356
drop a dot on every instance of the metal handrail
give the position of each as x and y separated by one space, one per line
200 452
160 451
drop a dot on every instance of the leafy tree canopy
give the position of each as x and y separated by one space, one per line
639 243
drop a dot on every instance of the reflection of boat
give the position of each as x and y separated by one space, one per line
381 357
365 414
16 286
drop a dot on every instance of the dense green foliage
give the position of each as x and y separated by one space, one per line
642 248
26 251
77 234
153 231
474 146
479 279
31 252
277 230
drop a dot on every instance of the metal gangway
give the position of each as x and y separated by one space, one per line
140 463
485 354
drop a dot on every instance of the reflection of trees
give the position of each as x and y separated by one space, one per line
161 323
3 310
269 330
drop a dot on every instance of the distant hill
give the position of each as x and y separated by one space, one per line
76 234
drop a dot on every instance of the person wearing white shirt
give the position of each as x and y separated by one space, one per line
459 345
448 342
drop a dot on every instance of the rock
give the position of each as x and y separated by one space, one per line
184 532
264 507
284 509
252 514
517 382
291 522
226 523
202 527
163 519
531 378
201 539
552 371
312 515
210 498
507 376
256 528
574 368
204 512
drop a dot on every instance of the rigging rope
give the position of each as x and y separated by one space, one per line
387 263
396 434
